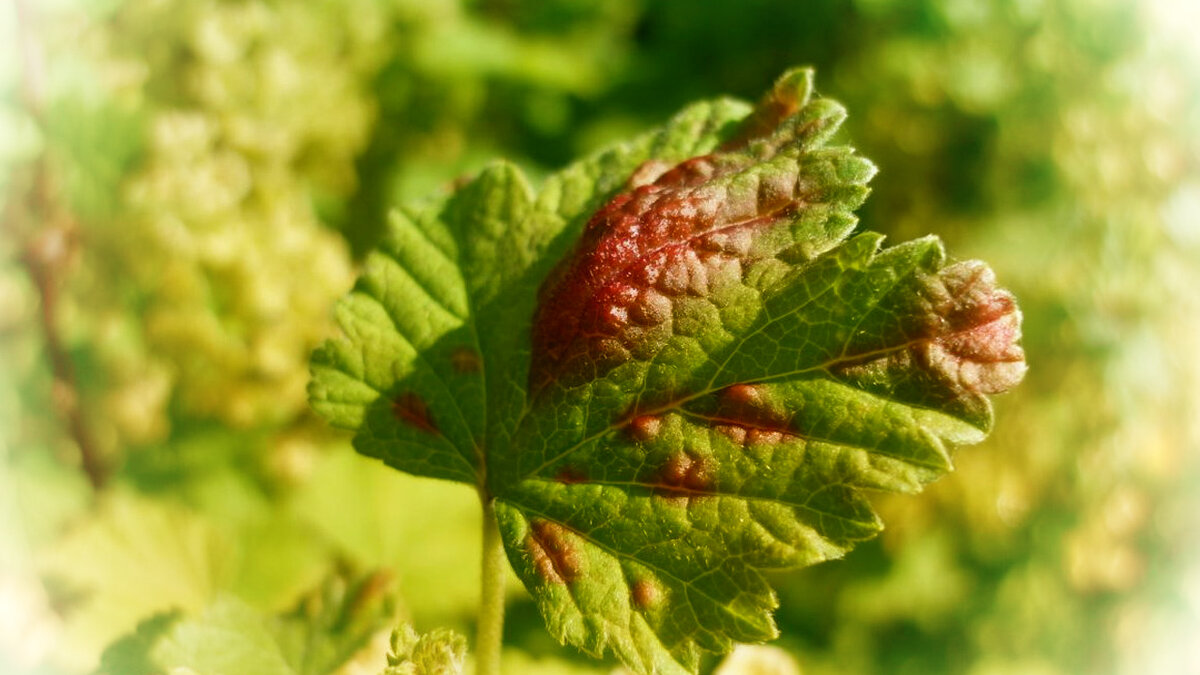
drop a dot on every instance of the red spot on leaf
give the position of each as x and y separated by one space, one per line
975 342
733 432
743 396
746 415
964 342
465 360
671 233
645 427
645 594
756 436
411 409
556 559
685 475
570 475
675 470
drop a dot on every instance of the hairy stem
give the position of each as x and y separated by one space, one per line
490 630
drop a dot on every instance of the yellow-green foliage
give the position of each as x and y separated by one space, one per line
223 162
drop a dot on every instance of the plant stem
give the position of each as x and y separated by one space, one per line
490 630
50 233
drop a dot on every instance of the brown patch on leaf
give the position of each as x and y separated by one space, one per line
975 343
460 181
764 437
746 415
412 410
685 475
556 559
733 432
670 231
645 427
645 594
570 475
751 406
744 435
743 396
465 360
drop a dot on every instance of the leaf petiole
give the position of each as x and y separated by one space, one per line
490 628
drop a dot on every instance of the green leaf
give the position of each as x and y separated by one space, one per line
130 655
376 518
672 368
325 631
229 637
101 140
131 559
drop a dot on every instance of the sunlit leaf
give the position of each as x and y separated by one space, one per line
326 630
672 367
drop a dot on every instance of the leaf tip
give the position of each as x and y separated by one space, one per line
791 92
979 348
795 85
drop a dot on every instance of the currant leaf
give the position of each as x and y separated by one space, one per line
673 368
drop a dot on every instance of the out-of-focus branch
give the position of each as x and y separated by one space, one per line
47 233
33 67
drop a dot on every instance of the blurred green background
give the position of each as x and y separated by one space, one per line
187 187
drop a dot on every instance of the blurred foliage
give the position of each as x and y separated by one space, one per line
221 165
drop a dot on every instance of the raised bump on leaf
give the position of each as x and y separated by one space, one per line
645 594
555 556
977 348
751 407
686 473
645 427
693 232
